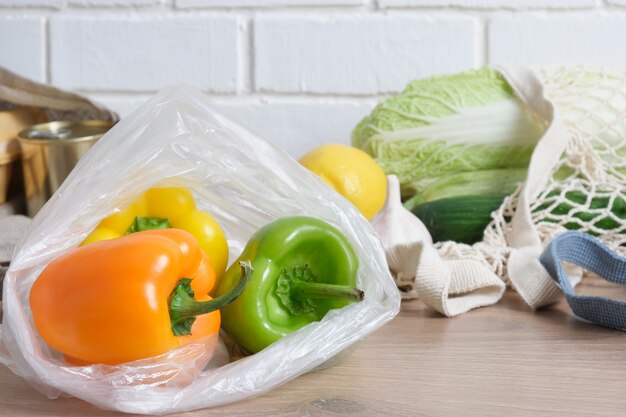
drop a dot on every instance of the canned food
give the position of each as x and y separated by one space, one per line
49 153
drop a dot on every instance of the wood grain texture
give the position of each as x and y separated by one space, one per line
498 361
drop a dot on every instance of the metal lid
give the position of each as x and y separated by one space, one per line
60 133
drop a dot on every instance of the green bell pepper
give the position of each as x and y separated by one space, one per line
303 267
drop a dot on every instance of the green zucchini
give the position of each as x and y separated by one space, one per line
571 205
462 219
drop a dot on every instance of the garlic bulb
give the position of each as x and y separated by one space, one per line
402 235
396 225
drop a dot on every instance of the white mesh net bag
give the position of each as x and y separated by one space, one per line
575 180
586 189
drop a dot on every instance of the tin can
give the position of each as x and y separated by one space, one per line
49 153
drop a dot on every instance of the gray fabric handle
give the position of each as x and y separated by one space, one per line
593 255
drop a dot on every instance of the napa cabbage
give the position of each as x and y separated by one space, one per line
453 135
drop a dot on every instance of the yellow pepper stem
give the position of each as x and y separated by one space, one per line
184 308
148 223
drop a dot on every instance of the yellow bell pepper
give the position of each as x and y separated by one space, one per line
179 208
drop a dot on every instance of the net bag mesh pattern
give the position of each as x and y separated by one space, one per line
587 188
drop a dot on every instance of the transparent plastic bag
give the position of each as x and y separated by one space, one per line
244 182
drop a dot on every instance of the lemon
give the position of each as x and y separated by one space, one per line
352 172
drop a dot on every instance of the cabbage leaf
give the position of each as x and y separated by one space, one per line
442 127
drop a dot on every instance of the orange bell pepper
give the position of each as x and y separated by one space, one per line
130 298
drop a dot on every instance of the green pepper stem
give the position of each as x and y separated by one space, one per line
184 308
300 291
321 290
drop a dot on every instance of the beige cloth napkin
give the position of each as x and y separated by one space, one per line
57 104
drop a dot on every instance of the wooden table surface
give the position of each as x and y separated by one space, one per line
498 361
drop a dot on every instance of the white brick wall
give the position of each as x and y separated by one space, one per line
145 53
298 72
22 46
488 4
366 55
554 40
264 3
298 126
32 3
